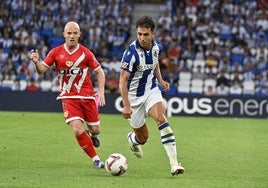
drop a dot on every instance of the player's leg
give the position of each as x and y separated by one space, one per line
157 112
93 131
74 117
92 120
140 133
85 142
136 138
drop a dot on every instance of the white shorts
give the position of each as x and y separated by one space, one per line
141 105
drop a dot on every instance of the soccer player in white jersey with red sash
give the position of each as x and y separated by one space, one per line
140 78
73 62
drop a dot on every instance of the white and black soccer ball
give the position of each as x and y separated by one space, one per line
116 164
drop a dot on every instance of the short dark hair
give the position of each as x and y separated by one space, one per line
147 22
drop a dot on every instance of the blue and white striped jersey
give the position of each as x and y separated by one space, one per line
141 65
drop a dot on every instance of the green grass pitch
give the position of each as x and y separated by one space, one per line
39 150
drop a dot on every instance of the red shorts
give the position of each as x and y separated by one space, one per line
83 109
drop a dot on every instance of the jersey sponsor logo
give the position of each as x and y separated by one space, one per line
69 63
145 67
73 71
68 84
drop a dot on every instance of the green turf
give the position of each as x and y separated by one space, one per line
39 150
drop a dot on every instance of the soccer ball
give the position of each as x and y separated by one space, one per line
116 164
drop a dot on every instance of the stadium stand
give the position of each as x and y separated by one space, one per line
219 36
104 24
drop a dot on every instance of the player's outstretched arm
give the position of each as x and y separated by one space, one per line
39 67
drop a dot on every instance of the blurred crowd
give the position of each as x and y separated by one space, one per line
221 40
26 25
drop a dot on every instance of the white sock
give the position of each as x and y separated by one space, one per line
169 142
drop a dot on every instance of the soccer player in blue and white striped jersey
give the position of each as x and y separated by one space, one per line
140 78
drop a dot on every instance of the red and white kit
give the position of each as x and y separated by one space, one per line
75 82
73 69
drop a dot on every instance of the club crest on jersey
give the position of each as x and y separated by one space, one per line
69 63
